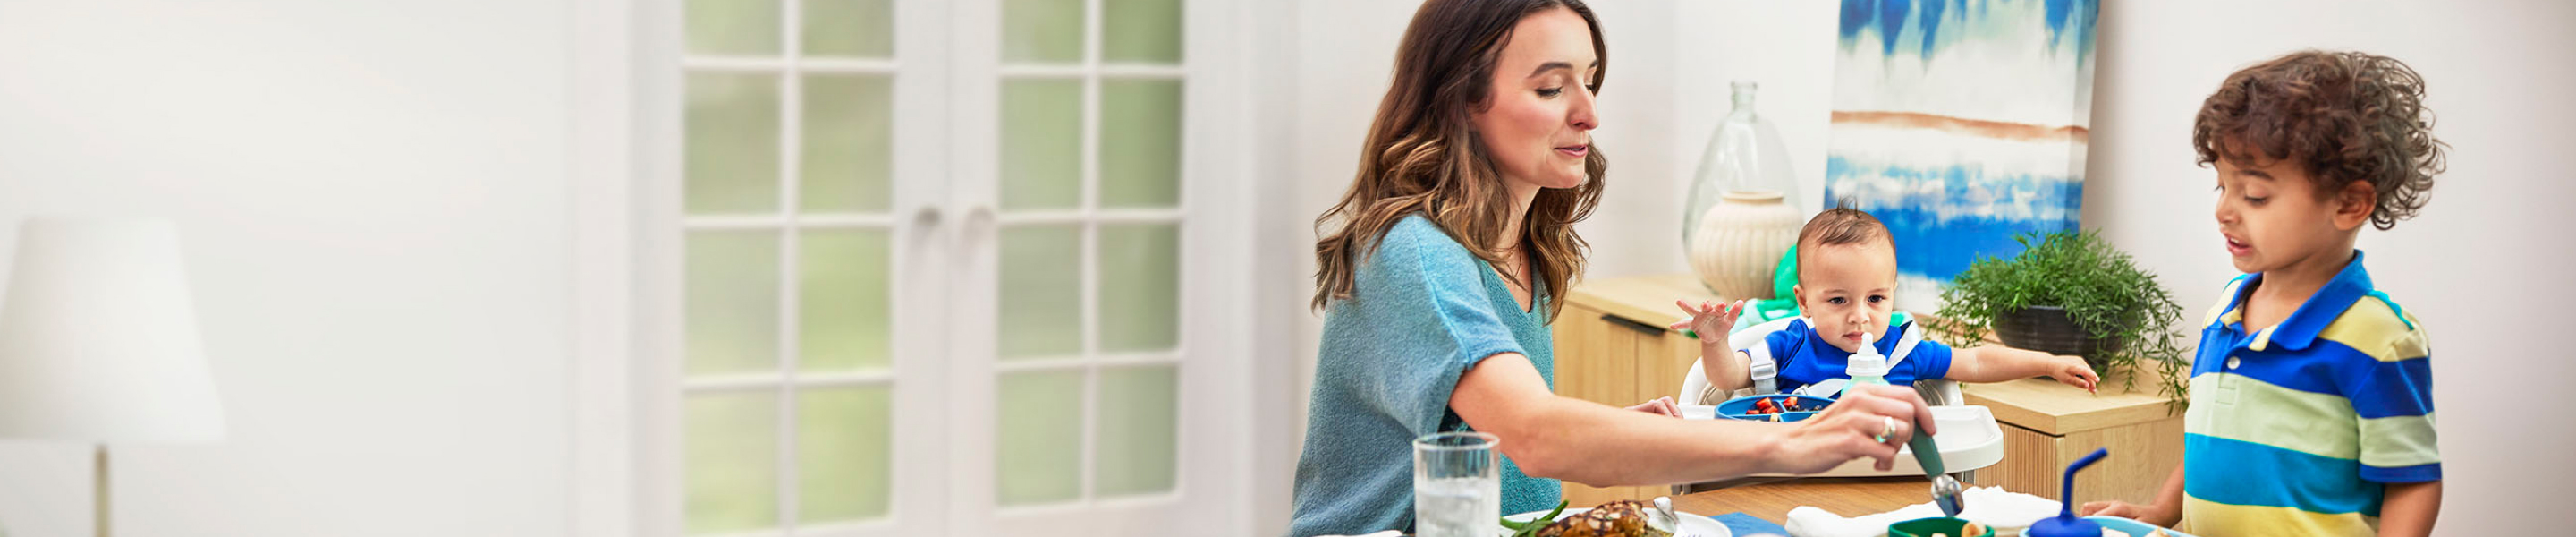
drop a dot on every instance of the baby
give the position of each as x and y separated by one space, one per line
1846 283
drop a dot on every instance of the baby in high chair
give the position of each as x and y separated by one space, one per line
1846 284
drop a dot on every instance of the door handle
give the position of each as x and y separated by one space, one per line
1648 329
927 216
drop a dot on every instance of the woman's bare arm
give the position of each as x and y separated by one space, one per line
1601 445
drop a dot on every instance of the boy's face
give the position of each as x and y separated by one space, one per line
2272 216
1848 289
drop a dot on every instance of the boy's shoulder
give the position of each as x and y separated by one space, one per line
2376 326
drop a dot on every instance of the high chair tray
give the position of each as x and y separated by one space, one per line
1969 440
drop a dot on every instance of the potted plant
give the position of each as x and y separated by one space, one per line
2069 293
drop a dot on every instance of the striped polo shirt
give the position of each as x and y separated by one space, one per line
2295 429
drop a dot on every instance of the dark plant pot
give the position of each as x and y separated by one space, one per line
2046 329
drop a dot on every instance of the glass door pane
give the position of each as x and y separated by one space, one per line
849 28
1041 31
1140 143
846 162
1041 156
732 27
732 302
1143 31
1140 287
1139 430
1038 457
732 462
844 454
845 304
1041 295
731 156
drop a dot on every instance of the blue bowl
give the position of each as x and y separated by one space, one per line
1741 408
2133 527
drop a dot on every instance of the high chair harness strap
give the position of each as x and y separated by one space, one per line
1766 370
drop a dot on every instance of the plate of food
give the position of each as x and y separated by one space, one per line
1623 518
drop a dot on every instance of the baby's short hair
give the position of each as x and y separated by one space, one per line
2345 116
1839 226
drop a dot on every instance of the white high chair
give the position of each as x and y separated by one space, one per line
1935 392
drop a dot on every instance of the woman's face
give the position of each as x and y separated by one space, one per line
1537 124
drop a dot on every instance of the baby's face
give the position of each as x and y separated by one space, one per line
1848 289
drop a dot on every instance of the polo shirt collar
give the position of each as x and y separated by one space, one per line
2321 309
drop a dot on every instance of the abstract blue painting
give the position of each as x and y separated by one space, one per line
1960 123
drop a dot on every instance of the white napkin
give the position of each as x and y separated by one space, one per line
1387 533
1990 506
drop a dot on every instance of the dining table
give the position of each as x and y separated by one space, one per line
1845 496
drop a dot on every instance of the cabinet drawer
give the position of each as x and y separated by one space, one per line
1614 361
1617 361
2142 456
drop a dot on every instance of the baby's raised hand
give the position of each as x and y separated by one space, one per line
2073 371
1710 321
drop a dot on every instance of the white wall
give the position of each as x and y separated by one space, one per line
1341 52
2496 70
373 203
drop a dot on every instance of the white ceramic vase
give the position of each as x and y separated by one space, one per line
1739 243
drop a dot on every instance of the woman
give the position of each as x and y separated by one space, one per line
1454 248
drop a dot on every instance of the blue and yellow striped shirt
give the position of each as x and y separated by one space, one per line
2294 429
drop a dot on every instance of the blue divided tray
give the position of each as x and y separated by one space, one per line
1741 408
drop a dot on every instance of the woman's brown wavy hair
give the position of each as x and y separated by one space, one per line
1422 155
2344 116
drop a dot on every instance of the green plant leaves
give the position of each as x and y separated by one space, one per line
2101 288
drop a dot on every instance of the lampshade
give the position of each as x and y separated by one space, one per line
98 337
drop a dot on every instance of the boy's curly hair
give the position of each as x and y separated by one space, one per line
2346 116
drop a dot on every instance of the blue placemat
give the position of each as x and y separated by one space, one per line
1743 524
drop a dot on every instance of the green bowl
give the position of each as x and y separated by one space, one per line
1927 527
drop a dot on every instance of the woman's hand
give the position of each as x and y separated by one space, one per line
1711 321
1869 421
2143 513
2073 371
1660 406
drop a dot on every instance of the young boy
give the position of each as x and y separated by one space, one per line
2311 401
1846 285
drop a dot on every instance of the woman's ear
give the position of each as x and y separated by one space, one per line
2353 204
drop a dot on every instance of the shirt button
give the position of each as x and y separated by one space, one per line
2232 362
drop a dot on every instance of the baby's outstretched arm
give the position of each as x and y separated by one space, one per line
1727 369
1997 363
